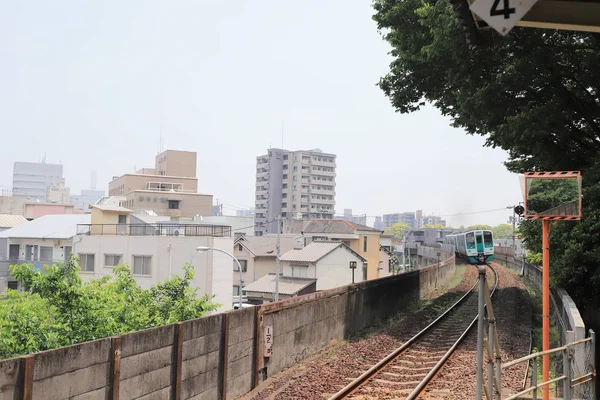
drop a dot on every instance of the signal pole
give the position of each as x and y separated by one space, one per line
277 248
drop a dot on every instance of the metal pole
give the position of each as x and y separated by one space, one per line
490 359
546 306
277 259
239 268
593 361
567 373
480 327
513 221
534 376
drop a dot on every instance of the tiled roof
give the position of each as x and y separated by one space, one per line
59 226
10 221
314 252
265 246
336 226
287 285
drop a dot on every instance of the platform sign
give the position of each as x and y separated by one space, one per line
502 15
268 341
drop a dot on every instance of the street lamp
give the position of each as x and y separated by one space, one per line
204 249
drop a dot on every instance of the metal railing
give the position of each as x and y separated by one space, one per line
154 230
570 383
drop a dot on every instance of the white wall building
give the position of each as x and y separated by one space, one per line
238 225
45 240
328 262
58 193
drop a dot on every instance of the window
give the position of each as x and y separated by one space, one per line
112 260
86 262
284 176
240 248
284 186
364 244
364 271
122 218
487 239
173 204
285 157
142 265
236 290
243 263
470 241
300 271
45 253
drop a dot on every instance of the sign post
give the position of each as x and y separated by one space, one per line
268 341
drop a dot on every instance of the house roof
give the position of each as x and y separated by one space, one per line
59 226
336 226
265 246
10 221
315 251
287 284
111 208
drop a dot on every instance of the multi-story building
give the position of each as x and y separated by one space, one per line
86 198
156 251
422 220
294 184
170 188
378 223
405 217
32 180
58 193
45 240
355 219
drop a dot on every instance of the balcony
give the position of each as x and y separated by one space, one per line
154 230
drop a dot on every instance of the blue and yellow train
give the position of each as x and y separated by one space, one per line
476 247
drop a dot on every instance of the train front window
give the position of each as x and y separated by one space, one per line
488 239
470 240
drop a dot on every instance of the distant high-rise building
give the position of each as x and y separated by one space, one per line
244 213
32 180
405 217
378 223
88 196
294 184
355 219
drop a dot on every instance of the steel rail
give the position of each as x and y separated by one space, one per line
368 374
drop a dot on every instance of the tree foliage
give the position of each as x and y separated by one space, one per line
502 231
534 93
398 230
59 309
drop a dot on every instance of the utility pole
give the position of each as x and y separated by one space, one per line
277 248
514 221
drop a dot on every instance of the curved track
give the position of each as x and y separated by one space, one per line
405 372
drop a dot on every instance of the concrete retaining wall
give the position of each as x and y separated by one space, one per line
217 357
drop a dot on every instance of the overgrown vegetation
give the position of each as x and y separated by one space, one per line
58 308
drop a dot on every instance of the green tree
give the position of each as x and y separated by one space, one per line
502 230
534 93
436 226
479 227
398 230
59 309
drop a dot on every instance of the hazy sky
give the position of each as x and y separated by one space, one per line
89 84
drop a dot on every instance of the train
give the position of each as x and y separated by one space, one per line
476 247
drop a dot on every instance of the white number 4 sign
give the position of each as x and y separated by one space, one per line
502 15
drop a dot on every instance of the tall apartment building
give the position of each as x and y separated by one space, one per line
31 180
294 184
355 219
405 217
170 188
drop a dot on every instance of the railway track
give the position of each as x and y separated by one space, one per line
405 372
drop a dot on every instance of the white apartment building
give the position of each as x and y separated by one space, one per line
31 180
45 240
58 193
155 252
294 184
